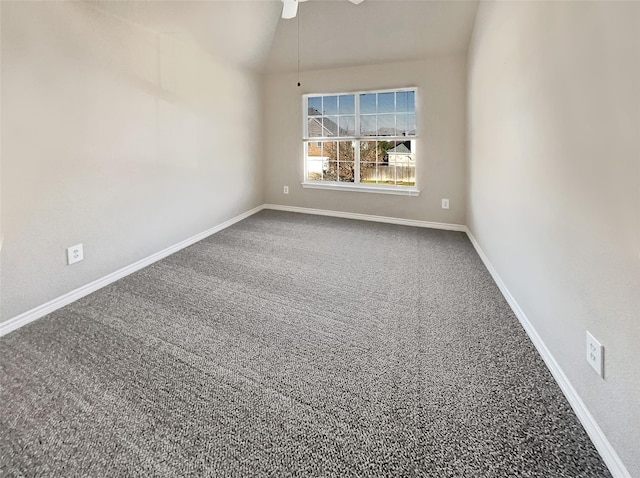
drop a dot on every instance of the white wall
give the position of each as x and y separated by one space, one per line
116 137
440 154
554 186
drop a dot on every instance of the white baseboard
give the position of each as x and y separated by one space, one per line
608 454
368 217
55 304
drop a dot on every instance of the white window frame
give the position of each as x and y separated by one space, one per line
357 185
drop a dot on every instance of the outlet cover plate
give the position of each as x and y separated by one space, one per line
75 254
445 204
595 354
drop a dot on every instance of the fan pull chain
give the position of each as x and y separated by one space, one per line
298 24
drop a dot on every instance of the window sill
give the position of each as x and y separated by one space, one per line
401 191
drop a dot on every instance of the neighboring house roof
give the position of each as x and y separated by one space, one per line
400 148
321 126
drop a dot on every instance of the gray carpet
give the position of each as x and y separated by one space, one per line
290 345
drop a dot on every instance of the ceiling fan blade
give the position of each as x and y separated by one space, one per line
289 8
356 2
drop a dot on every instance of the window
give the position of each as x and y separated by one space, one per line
364 140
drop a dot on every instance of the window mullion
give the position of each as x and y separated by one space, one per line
357 113
356 153
306 159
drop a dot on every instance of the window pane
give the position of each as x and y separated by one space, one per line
316 164
330 150
405 175
386 102
411 124
383 148
386 174
368 103
368 173
378 173
346 151
411 101
315 105
314 169
330 105
331 173
405 102
314 150
401 101
386 125
368 125
402 124
330 154
346 172
314 126
347 104
400 166
401 153
406 124
330 126
347 125
368 150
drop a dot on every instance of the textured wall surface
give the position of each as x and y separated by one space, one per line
554 158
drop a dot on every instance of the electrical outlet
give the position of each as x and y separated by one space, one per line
445 204
75 254
595 354
286 190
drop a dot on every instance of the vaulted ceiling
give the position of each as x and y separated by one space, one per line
337 33
332 33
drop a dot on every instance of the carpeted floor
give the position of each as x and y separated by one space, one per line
290 345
